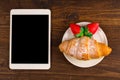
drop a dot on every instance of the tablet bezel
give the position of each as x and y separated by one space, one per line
29 12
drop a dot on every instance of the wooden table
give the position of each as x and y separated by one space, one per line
106 12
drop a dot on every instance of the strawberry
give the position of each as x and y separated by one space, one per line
93 27
80 31
77 30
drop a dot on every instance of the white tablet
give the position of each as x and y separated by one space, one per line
30 38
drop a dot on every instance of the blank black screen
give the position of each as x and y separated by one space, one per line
30 39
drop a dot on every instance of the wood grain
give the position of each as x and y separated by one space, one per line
106 12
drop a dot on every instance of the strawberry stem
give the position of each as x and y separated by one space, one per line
84 32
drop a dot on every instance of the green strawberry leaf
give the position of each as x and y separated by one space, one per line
82 29
79 35
87 33
84 32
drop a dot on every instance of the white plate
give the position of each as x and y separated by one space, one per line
99 36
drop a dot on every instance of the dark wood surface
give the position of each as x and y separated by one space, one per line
106 12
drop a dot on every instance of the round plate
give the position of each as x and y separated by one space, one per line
99 36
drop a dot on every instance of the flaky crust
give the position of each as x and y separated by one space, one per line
84 48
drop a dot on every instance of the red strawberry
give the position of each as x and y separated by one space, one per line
75 28
93 27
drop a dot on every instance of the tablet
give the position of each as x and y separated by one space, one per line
30 38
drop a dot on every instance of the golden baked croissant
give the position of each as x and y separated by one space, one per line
84 48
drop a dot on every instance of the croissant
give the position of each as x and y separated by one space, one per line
84 48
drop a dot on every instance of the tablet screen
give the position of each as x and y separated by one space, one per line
30 39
